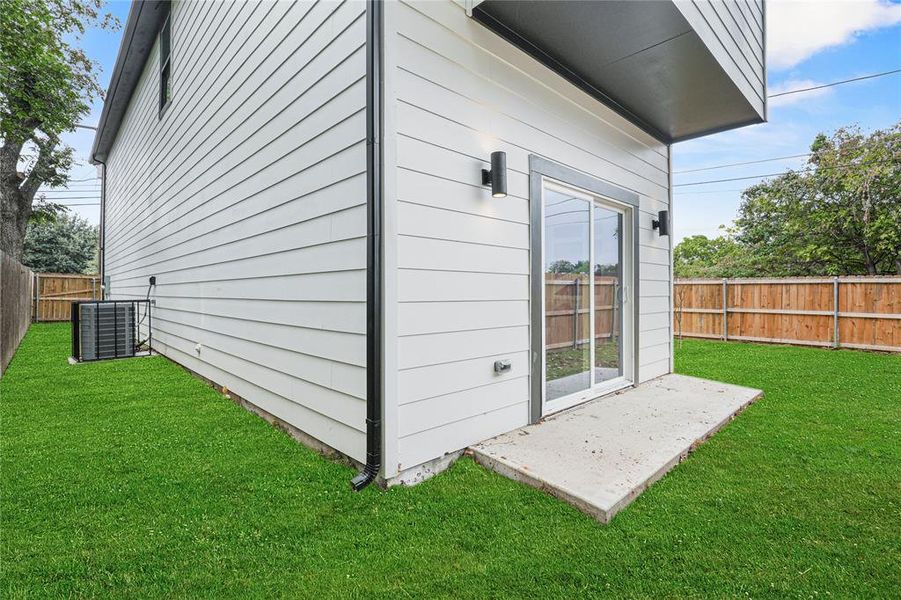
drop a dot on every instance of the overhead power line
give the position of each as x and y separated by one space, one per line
799 171
740 164
56 192
826 85
55 199
689 193
85 187
81 204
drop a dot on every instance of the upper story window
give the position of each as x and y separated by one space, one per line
166 63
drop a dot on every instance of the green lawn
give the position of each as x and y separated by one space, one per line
562 362
133 479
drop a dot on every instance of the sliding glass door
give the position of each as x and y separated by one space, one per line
585 295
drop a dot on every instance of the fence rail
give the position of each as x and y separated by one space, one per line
54 293
568 312
840 312
16 282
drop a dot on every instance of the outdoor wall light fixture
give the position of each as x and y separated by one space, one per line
497 176
661 223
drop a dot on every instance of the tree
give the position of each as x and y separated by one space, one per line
46 86
841 215
566 266
66 244
722 256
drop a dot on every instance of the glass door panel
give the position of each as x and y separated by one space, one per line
608 293
567 289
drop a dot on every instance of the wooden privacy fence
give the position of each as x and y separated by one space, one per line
55 292
839 312
16 282
568 310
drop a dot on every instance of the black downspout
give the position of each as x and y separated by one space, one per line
101 254
374 20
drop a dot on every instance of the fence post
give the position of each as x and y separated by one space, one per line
37 297
835 283
576 314
725 312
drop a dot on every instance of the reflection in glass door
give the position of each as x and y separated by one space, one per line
567 293
583 295
608 279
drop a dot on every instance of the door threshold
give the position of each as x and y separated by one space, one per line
589 396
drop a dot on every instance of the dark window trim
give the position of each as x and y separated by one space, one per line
165 38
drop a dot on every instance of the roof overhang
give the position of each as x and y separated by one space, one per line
642 59
144 21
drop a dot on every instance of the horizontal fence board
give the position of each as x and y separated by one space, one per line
841 312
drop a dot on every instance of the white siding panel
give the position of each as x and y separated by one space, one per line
434 443
438 348
246 198
418 318
438 411
459 93
733 32
467 196
451 286
458 255
446 378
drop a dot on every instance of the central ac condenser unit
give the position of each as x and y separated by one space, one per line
109 329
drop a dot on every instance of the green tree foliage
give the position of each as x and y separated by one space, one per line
566 266
700 256
839 215
66 244
46 85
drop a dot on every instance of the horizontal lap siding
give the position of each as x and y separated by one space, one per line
463 257
733 32
246 199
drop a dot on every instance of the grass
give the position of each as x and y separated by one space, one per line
569 361
133 479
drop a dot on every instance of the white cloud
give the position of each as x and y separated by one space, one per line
796 84
798 29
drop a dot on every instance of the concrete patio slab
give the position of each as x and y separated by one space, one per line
601 455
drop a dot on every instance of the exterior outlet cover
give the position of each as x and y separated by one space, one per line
502 366
198 348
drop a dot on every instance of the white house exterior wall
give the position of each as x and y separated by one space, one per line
246 199
457 93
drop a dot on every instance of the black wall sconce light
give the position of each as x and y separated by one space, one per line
497 176
661 223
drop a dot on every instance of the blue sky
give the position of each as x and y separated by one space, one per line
810 43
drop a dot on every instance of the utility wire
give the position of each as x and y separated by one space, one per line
739 164
798 91
77 186
826 85
72 198
81 204
690 193
840 166
62 194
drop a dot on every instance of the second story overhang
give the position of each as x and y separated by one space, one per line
678 69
